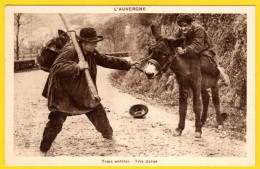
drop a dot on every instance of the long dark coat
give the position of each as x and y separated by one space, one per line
66 88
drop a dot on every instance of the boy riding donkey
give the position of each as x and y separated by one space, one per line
197 41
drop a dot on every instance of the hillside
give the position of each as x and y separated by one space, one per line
228 32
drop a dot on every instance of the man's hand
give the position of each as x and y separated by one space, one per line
83 65
134 64
180 51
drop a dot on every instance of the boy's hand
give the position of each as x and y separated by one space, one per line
180 51
83 65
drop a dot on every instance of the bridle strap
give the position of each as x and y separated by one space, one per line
148 57
156 64
165 67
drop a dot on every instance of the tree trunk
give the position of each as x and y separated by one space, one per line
18 20
17 42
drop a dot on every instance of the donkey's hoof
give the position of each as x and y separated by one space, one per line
197 134
177 132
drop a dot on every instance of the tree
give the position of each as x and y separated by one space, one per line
18 23
111 33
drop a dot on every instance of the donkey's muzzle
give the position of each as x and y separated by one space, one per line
149 75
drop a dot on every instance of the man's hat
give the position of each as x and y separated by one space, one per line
89 35
138 110
184 18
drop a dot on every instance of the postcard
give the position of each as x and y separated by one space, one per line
130 85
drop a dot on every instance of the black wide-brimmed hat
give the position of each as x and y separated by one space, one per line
138 110
89 35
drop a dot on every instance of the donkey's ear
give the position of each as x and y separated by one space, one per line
155 33
60 32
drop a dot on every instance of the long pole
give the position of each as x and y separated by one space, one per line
93 91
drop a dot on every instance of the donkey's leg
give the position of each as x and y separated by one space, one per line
205 101
216 102
183 97
196 89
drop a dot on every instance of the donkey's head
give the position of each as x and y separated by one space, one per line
161 55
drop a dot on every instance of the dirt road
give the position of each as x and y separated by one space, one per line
151 136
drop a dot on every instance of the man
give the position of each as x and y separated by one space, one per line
67 90
197 42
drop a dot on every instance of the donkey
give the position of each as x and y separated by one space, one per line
189 76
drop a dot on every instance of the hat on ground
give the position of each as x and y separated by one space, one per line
138 110
89 35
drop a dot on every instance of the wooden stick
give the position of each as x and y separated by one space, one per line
93 90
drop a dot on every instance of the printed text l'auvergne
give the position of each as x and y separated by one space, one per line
140 9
